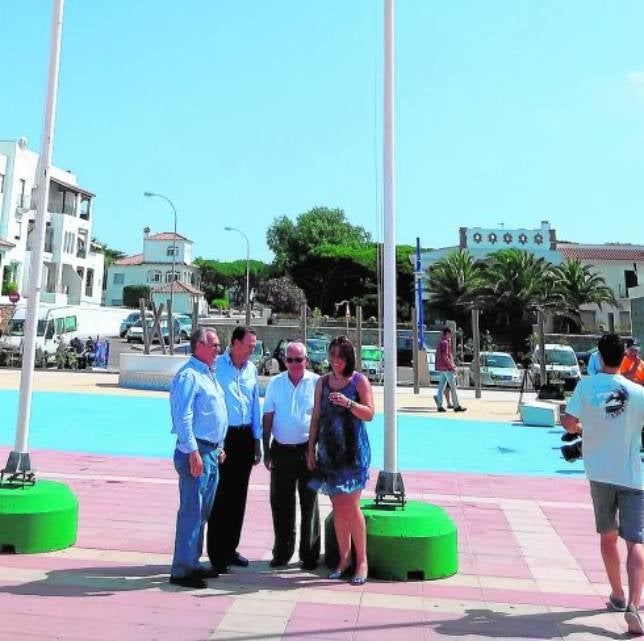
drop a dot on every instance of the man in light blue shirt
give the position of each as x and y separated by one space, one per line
200 422
594 364
238 378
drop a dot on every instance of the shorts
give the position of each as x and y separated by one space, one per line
612 501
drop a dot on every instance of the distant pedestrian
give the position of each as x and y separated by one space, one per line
610 409
288 406
447 370
200 423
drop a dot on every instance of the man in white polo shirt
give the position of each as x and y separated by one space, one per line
288 405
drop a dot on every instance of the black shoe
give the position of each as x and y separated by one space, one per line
568 437
460 408
207 572
220 567
442 409
309 566
278 563
238 559
191 581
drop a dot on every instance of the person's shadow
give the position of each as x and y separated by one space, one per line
105 581
547 625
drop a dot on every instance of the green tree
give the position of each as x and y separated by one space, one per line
454 284
219 277
292 242
578 285
517 283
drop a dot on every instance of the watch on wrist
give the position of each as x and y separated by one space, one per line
349 404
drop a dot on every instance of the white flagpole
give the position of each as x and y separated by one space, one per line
391 379
19 458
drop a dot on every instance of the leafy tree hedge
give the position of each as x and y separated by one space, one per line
132 294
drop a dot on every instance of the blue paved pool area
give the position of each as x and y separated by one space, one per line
140 426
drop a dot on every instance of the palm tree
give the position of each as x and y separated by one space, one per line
454 283
518 283
578 285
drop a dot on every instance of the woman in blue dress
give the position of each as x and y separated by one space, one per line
343 402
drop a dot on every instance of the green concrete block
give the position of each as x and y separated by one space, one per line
419 542
37 518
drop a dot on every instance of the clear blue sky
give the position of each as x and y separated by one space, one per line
245 110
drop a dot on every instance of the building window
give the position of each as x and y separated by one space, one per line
18 230
172 250
89 283
119 279
155 276
21 193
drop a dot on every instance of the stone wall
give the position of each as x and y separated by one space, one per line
6 312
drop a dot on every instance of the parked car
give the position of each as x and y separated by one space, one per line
498 369
130 319
372 362
317 349
135 332
257 357
561 366
434 376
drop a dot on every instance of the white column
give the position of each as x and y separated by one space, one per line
390 320
35 269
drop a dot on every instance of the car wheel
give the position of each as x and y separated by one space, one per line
122 334
129 340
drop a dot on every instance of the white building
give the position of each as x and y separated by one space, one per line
153 267
622 267
72 269
618 264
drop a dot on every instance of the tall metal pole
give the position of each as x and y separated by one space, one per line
476 359
420 312
239 231
19 457
389 299
150 194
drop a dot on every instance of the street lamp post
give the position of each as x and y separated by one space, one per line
150 194
239 231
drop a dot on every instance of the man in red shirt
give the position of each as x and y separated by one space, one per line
447 368
632 366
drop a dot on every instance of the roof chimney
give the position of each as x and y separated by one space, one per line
146 233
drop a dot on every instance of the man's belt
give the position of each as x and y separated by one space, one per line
245 426
205 443
291 446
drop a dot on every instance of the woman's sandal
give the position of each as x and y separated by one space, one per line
358 580
338 573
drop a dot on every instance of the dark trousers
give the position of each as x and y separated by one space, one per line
288 474
227 516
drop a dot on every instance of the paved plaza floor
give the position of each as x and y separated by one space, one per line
529 563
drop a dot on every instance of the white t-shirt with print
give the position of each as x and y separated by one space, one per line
611 411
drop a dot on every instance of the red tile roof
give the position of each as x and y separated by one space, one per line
605 252
137 259
168 235
179 288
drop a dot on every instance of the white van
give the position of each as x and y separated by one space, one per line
561 365
56 324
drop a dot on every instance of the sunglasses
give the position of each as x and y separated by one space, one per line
295 359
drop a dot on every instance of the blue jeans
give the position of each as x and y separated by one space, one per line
447 378
196 496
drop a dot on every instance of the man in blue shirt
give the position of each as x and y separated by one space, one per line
238 377
200 422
